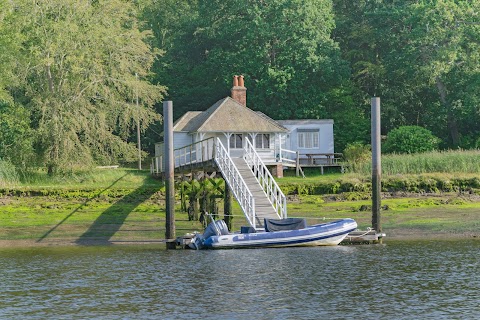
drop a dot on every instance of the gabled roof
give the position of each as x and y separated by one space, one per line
227 115
186 122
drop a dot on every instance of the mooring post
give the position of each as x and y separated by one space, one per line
169 174
376 165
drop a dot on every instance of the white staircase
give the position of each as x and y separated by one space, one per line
250 181
263 206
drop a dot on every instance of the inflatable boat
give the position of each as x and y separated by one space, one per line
288 232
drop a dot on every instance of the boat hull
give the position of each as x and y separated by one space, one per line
327 234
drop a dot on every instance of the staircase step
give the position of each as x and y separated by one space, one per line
263 206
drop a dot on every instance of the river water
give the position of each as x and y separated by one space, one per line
397 280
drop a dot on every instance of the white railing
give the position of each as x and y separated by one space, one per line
234 179
156 166
263 176
288 156
197 152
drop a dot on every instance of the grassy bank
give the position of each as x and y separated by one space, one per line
103 206
457 161
335 183
110 206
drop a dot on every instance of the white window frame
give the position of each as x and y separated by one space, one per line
308 138
235 143
262 141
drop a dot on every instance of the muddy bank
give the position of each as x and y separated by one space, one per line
391 235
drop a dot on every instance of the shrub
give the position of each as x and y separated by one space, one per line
410 139
357 154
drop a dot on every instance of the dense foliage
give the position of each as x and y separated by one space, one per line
71 70
79 68
410 139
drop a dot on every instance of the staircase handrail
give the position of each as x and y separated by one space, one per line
264 177
234 179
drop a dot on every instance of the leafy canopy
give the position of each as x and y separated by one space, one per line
84 64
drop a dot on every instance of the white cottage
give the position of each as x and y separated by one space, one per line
233 122
286 142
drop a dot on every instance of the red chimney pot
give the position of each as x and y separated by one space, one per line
240 81
239 92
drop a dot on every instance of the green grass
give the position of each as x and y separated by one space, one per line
94 179
451 161
125 205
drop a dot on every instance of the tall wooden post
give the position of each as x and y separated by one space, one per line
376 165
227 206
169 171
139 144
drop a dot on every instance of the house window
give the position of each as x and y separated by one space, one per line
236 141
308 138
262 141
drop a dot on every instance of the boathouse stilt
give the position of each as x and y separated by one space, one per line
227 206
169 175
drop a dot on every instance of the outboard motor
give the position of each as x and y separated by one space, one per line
214 228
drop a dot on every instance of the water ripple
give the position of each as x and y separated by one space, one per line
409 280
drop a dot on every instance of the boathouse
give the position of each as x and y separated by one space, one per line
279 143
246 148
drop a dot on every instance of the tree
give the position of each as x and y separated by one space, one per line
9 48
450 60
282 47
16 136
410 139
421 57
81 59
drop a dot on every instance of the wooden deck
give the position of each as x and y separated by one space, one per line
321 160
363 237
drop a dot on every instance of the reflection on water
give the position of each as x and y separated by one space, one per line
409 280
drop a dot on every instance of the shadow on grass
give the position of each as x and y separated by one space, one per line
112 219
77 209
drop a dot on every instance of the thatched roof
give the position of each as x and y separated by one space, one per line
227 115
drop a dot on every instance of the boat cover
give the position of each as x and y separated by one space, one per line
284 224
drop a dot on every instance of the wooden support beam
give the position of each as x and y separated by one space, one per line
227 207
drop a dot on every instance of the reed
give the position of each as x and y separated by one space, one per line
8 174
451 161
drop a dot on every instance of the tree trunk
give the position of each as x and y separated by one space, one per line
451 121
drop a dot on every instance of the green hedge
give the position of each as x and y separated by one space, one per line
419 184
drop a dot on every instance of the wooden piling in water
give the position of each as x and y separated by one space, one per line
376 166
169 174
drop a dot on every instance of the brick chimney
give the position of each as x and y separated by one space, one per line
239 92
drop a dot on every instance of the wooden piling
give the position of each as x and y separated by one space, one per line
169 173
227 206
376 165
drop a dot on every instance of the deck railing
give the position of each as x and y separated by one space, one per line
197 152
288 156
263 176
